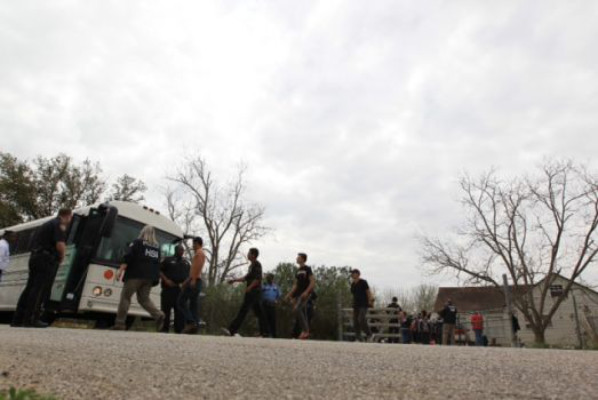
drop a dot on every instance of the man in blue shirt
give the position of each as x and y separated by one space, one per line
270 298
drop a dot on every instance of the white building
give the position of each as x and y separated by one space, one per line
567 329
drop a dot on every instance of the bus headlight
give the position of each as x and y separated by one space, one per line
97 291
108 292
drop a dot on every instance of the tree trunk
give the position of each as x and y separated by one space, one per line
539 336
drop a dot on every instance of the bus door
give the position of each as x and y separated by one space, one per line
66 265
91 229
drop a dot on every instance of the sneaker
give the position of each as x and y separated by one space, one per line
237 335
36 324
226 331
190 329
160 322
16 324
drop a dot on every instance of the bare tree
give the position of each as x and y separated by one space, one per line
220 211
532 228
415 299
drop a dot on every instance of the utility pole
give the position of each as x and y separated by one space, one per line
509 303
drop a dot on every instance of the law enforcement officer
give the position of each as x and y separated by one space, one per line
48 247
141 270
174 271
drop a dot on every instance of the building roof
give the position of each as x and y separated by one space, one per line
468 299
481 298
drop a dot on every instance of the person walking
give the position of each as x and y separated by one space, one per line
140 271
301 292
252 299
449 317
48 248
173 273
270 298
477 324
187 302
8 238
362 300
395 311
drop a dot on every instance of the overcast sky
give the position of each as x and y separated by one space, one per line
356 118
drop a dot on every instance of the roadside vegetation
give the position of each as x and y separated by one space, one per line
23 394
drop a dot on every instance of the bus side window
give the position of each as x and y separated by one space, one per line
23 241
167 249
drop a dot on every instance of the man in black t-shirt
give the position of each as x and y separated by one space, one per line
362 300
48 247
301 292
252 299
173 272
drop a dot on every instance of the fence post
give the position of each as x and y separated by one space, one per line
339 315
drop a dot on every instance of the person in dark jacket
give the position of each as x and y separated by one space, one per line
173 272
48 248
141 270
395 310
449 316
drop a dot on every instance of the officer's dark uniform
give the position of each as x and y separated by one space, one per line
177 270
43 265
143 272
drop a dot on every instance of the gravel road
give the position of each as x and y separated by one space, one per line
92 364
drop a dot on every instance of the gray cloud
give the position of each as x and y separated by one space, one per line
355 120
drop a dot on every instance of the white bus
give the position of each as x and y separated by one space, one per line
86 284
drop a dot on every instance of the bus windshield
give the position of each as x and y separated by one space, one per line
111 250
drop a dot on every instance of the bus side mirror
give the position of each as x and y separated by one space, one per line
109 220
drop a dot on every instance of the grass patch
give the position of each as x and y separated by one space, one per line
23 394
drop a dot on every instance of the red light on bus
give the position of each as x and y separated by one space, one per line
108 274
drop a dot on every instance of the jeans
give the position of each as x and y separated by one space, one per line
479 339
269 309
168 301
142 287
310 314
252 300
42 270
448 334
187 303
405 337
360 322
301 313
